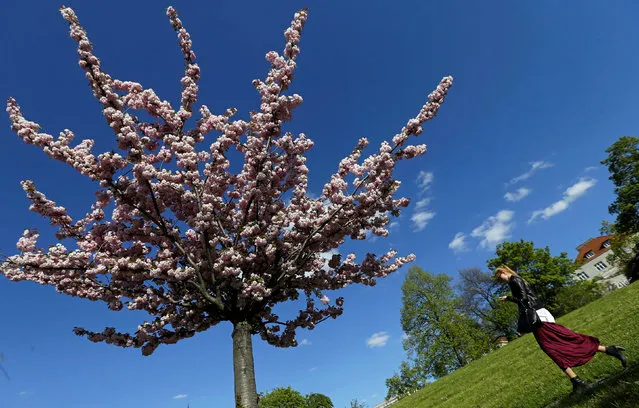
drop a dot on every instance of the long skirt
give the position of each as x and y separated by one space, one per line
565 347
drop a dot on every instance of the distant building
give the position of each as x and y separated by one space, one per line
594 263
387 403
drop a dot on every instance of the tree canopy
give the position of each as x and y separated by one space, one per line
479 292
407 380
441 337
623 165
545 274
193 240
283 397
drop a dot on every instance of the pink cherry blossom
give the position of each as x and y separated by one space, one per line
187 239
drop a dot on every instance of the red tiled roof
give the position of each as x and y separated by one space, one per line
594 245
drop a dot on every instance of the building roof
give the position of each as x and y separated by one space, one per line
595 245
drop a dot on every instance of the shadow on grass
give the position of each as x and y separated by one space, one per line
620 390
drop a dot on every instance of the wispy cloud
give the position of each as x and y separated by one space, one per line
590 168
571 194
423 203
458 244
181 396
393 225
421 213
305 342
494 229
378 339
420 219
534 167
424 180
517 195
312 369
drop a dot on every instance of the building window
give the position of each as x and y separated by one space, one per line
589 254
582 275
600 266
606 244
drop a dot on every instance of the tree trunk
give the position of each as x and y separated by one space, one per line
243 366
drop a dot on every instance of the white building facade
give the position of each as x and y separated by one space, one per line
593 254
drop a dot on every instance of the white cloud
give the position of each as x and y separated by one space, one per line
424 180
591 168
374 396
420 219
393 225
534 167
421 213
571 194
423 203
517 195
458 244
494 229
305 342
181 396
312 369
378 339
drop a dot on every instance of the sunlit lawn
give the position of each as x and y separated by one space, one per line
521 375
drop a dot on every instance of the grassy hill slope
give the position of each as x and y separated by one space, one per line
521 375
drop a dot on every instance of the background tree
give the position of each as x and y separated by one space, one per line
545 274
315 400
624 250
623 165
577 294
357 404
193 242
479 292
283 398
440 336
409 379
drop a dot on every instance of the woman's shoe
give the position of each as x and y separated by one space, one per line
616 351
578 385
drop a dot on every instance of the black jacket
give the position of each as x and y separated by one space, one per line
522 294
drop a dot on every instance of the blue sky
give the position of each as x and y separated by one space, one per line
541 90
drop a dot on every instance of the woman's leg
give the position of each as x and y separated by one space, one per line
571 374
578 385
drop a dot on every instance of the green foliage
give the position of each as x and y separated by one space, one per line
624 250
282 398
356 404
545 274
289 398
577 294
315 400
408 380
440 336
479 293
521 375
623 165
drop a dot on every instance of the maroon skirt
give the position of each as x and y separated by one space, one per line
565 347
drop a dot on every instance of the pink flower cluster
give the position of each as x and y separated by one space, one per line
193 243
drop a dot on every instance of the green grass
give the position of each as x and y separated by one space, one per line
521 375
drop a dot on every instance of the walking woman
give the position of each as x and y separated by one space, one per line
565 347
